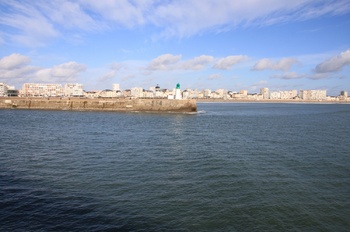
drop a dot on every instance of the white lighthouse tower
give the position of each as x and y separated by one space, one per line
178 92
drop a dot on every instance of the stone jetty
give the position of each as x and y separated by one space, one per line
99 104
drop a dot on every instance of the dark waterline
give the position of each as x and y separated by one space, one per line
231 167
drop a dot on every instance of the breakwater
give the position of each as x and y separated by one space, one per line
147 105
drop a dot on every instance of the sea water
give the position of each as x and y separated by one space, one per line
230 167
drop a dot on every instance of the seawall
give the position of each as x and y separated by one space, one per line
122 105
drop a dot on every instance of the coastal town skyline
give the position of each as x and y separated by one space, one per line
76 90
208 45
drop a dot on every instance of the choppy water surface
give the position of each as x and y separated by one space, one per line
231 167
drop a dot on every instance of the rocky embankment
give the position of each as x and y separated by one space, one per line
147 105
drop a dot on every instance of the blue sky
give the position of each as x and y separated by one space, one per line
234 45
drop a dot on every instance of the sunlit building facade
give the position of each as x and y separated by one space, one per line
313 94
41 90
73 90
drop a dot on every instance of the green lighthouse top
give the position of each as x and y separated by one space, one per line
178 86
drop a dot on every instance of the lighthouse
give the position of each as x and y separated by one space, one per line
178 92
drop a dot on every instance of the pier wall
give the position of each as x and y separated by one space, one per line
152 105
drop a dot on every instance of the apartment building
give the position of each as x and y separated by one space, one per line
3 89
313 94
265 93
73 90
41 90
136 92
284 95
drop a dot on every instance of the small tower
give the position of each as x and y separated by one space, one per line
157 88
116 87
178 92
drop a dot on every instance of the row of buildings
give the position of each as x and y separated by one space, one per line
293 94
43 90
76 90
51 90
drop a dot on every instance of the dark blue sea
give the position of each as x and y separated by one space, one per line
229 167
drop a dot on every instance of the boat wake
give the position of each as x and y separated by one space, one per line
198 112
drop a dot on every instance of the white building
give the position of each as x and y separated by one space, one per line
289 94
3 89
207 93
313 94
116 87
159 94
91 94
73 90
136 92
275 95
186 94
285 95
191 94
108 93
148 94
344 94
43 90
222 93
243 92
215 95
265 93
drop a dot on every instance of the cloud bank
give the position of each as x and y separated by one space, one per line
227 62
164 62
16 67
13 61
197 63
334 64
169 62
284 64
33 23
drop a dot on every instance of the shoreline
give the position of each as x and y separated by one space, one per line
272 101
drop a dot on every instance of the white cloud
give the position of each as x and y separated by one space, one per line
31 27
18 74
319 76
197 63
114 68
164 62
168 62
335 63
128 77
16 68
288 76
69 14
109 75
42 75
314 76
122 12
67 70
13 61
214 76
229 61
283 64
260 84
178 19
